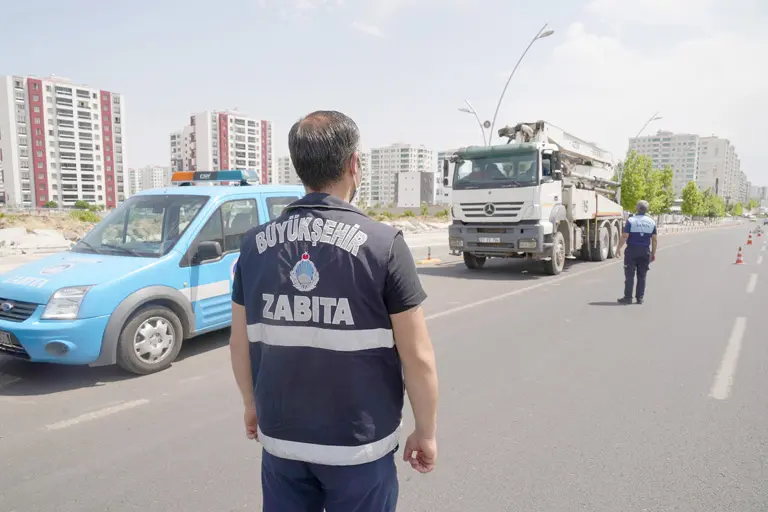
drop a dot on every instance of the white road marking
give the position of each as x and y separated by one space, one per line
721 388
759 259
752 283
762 248
95 415
544 282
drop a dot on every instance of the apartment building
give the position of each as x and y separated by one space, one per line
62 142
224 140
387 161
677 150
711 162
443 192
149 177
286 173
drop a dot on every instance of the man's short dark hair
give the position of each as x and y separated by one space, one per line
321 143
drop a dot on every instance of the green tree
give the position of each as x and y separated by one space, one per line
712 206
634 180
738 210
660 189
753 204
692 200
51 204
82 205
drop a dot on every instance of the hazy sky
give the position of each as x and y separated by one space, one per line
401 68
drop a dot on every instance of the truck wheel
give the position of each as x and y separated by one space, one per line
473 262
150 340
600 253
557 258
614 229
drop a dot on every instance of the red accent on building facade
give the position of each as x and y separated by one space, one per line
223 142
264 153
36 138
108 149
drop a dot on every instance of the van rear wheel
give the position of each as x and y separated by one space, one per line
150 340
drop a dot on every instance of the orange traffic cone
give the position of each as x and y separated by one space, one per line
739 258
749 240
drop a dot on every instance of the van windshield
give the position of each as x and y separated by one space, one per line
143 226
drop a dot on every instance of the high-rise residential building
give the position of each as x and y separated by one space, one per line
148 177
286 173
758 193
719 168
711 162
387 161
224 140
677 150
364 194
443 192
744 190
61 142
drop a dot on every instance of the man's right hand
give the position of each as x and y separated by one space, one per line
251 423
421 453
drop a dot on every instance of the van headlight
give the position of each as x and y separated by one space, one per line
65 303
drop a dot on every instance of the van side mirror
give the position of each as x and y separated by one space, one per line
207 250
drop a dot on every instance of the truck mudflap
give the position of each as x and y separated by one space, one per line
499 241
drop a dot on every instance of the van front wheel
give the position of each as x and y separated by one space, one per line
150 340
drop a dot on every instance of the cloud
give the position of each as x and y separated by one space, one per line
655 12
367 28
605 89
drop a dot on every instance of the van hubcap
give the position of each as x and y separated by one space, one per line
154 340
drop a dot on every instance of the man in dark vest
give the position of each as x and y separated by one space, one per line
327 331
640 236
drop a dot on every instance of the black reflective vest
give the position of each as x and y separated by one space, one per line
327 377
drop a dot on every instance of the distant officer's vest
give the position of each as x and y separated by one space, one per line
327 377
640 229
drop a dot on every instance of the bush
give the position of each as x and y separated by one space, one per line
424 210
443 214
385 215
408 213
51 204
96 208
82 205
85 216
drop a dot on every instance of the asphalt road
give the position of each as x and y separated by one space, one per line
553 398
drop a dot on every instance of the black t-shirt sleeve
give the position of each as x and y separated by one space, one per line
237 286
402 290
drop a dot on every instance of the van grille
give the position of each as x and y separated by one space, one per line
16 310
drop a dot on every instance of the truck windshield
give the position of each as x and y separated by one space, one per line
497 171
143 226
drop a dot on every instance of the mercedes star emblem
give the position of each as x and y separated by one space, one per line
489 209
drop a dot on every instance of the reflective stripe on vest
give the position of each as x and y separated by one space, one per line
318 337
330 455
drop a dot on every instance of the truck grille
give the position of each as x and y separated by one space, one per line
493 210
16 310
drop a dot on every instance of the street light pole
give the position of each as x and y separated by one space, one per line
541 34
471 110
654 117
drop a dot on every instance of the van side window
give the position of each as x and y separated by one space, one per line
212 231
276 205
238 217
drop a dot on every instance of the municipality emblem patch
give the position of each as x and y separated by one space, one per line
304 274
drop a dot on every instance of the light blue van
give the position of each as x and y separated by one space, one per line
156 271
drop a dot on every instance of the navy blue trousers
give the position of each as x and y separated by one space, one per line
293 486
637 259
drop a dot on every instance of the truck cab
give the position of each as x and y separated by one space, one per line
156 271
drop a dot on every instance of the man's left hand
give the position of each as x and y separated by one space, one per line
251 423
653 258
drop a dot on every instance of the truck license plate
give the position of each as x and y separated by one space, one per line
5 340
489 239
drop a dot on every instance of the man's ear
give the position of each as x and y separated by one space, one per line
354 166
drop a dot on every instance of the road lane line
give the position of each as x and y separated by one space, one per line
544 282
762 248
95 415
752 283
760 259
721 388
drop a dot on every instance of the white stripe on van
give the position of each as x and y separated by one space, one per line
207 291
330 455
316 337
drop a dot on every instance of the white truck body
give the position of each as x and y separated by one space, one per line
546 194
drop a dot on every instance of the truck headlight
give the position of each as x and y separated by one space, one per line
456 242
65 303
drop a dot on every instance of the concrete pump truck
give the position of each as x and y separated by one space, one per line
545 195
